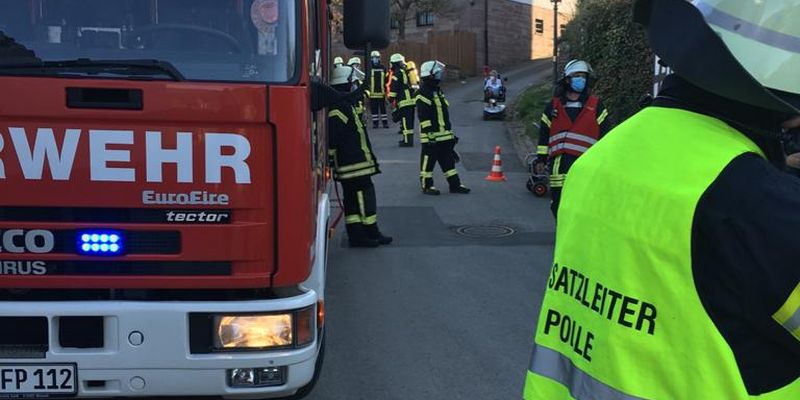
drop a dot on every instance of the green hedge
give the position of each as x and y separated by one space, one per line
603 33
529 105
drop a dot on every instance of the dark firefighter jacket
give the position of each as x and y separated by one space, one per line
377 84
434 115
349 144
746 247
400 89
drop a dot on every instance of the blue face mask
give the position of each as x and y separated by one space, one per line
578 84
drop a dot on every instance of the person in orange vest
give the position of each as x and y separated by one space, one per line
571 123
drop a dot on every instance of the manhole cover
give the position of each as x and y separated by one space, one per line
485 231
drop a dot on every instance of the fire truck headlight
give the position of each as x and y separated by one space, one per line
253 331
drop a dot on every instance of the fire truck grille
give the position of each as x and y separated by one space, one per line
138 268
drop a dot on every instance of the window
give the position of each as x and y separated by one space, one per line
394 23
563 29
539 26
244 41
425 18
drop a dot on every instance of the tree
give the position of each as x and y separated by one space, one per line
337 17
402 11
405 10
603 33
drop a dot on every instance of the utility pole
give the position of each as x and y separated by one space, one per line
486 32
555 42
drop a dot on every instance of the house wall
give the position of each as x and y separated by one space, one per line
510 30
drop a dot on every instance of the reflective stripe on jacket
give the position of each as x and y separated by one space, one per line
377 83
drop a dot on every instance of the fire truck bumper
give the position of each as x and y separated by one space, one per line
159 349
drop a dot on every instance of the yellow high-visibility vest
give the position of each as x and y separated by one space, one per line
621 318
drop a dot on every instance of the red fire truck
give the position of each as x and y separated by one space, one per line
164 209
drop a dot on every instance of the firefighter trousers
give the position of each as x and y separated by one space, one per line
407 124
378 111
441 153
559 166
555 200
360 208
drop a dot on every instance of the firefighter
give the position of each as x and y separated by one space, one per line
355 62
353 164
402 100
571 123
436 134
377 91
676 263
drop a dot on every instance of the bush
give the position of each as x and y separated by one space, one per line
529 106
604 34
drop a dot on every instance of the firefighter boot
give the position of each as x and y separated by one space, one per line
357 236
374 233
461 189
432 191
456 186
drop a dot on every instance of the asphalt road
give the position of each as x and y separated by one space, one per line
437 314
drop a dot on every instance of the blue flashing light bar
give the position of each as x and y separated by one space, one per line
100 242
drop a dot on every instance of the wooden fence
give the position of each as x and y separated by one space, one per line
457 49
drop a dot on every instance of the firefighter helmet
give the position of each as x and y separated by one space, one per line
353 61
577 66
753 46
375 53
432 69
346 74
397 58
338 61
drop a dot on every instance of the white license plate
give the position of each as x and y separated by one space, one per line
24 381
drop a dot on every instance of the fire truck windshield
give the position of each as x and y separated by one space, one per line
205 40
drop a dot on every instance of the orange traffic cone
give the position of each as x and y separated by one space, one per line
496 174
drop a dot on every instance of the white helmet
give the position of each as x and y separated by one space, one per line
375 53
434 69
346 74
576 66
752 45
397 58
338 61
354 61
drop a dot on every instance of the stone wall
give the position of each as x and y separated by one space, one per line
510 28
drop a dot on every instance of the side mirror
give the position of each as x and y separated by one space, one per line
366 23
